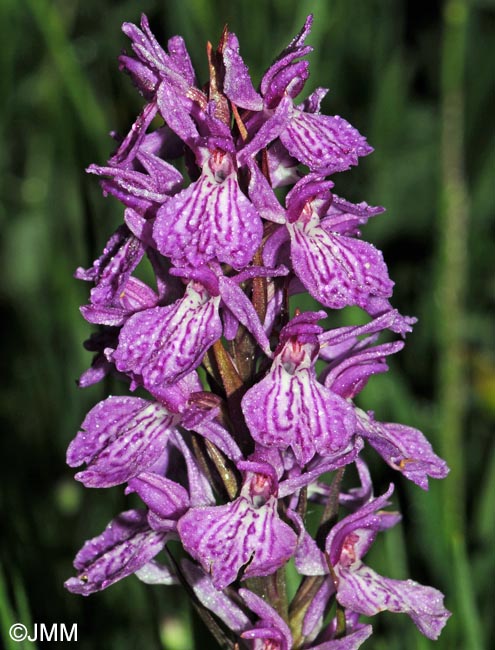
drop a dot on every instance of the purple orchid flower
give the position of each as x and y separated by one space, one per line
211 219
361 589
289 407
124 547
163 344
229 449
246 535
120 438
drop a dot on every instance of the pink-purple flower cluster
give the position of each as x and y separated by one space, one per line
236 424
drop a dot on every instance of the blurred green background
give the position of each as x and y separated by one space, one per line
415 77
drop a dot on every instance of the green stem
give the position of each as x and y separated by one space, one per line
451 291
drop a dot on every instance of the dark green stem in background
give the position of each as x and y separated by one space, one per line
451 290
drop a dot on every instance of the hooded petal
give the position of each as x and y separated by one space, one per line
124 547
270 626
153 64
295 50
348 376
111 271
362 590
164 344
164 497
211 219
120 438
237 84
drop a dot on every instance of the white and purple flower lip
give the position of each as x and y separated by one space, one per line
243 408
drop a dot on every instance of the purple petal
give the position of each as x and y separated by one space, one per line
270 626
136 295
312 103
357 497
164 497
137 189
294 50
348 377
345 217
237 537
126 545
294 410
324 143
110 272
262 195
239 304
282 167
99 369
237 84
211 219
366 592
403 448
143 78
103 424
310 194
351 641
315 614
308 559
111 316
175 397
220 437
316 468
347 336
120 438
131 144
164 344
337 270
175 68
213 599
267 132
154 573
180 59
175 110
200 491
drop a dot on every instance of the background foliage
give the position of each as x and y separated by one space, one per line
417 79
